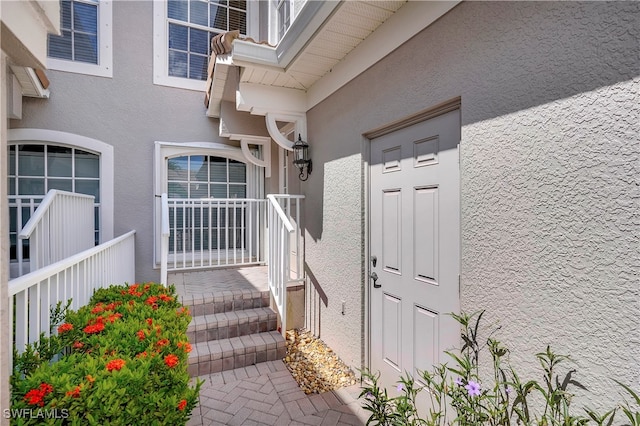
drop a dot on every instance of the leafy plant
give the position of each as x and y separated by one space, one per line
506 400
120 360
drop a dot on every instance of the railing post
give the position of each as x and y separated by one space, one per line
164 250
280 232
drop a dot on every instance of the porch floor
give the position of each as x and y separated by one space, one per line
197 283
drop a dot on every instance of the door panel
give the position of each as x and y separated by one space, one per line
416 238
391 226
392 332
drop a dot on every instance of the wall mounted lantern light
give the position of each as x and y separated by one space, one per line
301 158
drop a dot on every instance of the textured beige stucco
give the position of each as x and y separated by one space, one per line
549 179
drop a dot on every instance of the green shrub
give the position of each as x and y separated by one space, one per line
121 360
504 400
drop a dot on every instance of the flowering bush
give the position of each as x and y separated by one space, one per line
504 400
120 360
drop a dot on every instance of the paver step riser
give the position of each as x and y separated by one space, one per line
227 354
227 303
226 325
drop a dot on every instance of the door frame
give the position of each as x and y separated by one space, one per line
367 137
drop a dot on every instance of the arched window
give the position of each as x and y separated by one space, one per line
35 168
42 159
200 176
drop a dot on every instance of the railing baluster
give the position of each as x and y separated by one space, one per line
209 210
73 278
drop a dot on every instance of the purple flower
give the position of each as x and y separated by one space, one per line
458 381
400 387
473 388
508 390
370 396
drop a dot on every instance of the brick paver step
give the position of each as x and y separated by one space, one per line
214 356
225 301
230 324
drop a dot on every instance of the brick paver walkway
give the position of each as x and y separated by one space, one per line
267 394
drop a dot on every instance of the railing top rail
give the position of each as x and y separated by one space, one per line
30 226
208 200
165 215
23 282
293 196
281 214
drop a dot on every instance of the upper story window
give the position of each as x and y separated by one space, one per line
283 13
182 33
84 45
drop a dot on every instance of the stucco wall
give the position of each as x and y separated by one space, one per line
129 112
549 168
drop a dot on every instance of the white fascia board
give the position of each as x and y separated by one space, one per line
30 83
252 54
259 99
408 21
312 16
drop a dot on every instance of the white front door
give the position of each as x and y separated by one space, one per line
415 239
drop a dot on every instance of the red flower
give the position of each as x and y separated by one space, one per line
146 287
78 345
166 298
140 334
65 327
36 396
46 388
142 354
171 360
182 404
149 321
111 306
131 302
98 309
74 393
94 328
162 342
111 318
115 364
186 345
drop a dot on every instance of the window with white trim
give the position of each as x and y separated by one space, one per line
283 12
182 33
199 176
84 45
35 168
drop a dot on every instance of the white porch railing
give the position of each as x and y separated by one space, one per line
21 208
212 232
32 295
61 226
286 248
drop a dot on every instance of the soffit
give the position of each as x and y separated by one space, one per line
350 24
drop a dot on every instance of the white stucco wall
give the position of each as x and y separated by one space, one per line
550 159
